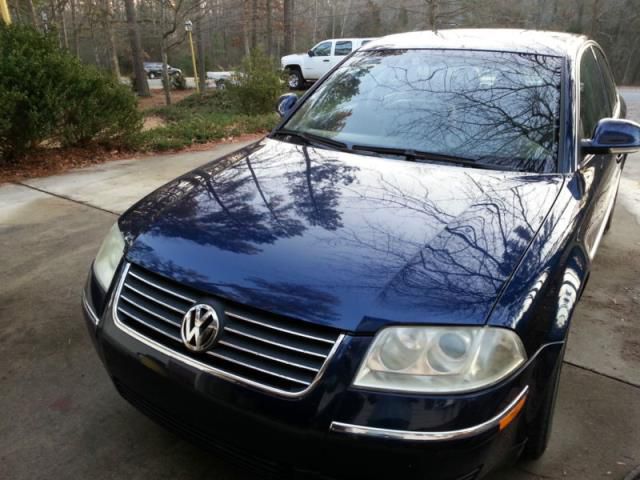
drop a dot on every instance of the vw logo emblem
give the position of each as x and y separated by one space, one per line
200 326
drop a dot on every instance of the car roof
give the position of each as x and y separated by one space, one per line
346 39
499 39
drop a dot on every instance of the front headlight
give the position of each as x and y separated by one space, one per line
440 359
109 256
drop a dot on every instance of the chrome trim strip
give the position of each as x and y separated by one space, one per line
155 300
87 308
207 368
279 329
419 436
257 369
268 357
148 282
271 342
150 312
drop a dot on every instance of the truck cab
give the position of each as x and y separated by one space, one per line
309 67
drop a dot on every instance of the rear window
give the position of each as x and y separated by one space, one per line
343 48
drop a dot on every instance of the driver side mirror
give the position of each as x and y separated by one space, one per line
613 136
310 53
286 103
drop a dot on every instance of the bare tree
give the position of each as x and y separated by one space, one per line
142 87
288 25
111 43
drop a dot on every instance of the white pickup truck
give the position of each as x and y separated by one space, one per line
309 67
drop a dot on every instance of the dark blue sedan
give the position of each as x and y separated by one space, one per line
384 285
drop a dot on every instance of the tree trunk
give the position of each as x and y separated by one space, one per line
345 18
63 25
630 69
32 13
580 8
288 26
254 24
74 26
269 30
334 12
164 57
166 81
111 43
202 74
142 87
432 14
315 22
595 17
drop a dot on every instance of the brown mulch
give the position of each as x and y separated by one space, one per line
157 98
52 161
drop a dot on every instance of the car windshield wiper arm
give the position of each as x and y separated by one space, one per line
312 139
415 155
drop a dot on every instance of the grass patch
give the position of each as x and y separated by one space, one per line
202 119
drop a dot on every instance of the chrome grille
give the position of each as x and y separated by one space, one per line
261 349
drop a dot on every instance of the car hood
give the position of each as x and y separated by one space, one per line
340 239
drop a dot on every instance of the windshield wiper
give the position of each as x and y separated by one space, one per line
312 139
416 155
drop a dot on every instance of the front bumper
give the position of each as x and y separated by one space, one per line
335 430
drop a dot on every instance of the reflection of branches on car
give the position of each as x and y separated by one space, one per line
469 258
515 117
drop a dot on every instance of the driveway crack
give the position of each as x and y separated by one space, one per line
84 204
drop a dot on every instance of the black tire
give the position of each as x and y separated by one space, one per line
295 80
540 427
151 75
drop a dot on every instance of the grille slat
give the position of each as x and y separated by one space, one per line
157 299
264 350
268 370
272 342
161 288
279 328
151 325
145 307
273 358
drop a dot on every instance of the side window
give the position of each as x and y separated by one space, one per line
594 104
607 76
364 42
322 50
343 48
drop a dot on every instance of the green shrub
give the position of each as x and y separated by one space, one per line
202 128
98 109
257 85
47 94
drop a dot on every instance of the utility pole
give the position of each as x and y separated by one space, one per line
4 12
188 26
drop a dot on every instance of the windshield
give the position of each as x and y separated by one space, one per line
496 108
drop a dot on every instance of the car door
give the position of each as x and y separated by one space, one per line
320 62
601 173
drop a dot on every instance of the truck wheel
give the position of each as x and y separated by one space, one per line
152 75
295 81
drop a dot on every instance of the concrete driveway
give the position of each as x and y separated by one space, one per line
61 417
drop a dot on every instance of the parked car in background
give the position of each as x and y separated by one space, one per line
219 79
154 70
308 67
383 287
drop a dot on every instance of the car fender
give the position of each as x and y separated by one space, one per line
539 300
